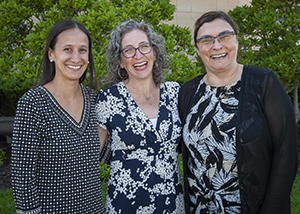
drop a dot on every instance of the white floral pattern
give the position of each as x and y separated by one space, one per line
144 176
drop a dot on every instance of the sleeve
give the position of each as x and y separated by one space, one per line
102 109
25 143
280 116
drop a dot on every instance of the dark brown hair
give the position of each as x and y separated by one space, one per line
47 68
211 16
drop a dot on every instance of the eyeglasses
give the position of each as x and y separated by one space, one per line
130 52
222 38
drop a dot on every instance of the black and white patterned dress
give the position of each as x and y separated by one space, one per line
55 160
209 134
144 176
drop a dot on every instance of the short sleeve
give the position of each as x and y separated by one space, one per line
102 109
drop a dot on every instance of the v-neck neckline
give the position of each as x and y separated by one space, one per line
66 117
144 115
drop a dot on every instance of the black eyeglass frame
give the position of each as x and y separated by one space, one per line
216 37
138 48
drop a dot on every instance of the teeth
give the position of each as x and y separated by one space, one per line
140 64
218 56
73 67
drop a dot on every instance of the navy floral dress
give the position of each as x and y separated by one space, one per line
144 176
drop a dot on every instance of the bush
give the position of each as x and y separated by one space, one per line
23 37
104 171
2 157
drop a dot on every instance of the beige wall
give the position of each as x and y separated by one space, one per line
187 11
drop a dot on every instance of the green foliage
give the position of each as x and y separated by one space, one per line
2 157
104 171
23 37
7 204
295 196
104 191
270 37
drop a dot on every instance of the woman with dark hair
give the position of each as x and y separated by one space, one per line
139 114
239 134
55 144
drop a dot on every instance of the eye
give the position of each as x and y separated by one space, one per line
206 40
128 50
145 46
225 37
83 50
68 49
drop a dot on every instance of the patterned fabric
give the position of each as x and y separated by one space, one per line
55 160
210 134
144 176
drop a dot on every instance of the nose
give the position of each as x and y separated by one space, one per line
138 54
217 44
75 57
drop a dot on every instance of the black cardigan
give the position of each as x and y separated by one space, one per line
266 141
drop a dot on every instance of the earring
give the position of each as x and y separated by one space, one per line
119 74
51 60
88 62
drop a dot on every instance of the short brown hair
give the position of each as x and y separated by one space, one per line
209 17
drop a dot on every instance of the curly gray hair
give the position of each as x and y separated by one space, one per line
115 73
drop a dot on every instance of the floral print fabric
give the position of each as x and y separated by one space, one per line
144 176
209 134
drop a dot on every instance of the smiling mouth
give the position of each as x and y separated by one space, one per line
139 65
218 56
74 67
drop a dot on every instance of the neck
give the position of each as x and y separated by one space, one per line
66 90
145 89
224 77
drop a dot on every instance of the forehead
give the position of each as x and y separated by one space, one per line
72 36
134 38
214 27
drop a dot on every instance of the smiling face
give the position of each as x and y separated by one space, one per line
219 57
70 54
140 66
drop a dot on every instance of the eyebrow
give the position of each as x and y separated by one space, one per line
205 35
143 42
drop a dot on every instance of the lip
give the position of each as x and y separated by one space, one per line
218 56
74 67
140 65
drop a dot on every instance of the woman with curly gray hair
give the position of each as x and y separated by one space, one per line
115 72
139 114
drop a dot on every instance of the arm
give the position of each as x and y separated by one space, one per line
25 143
102 137
102 113
280 116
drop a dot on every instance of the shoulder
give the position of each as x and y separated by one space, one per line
89 92
114 90
191 84
171 85
34 95
257 72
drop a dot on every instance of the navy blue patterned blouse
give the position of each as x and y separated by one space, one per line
55 160
144 176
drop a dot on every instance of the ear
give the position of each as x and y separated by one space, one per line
121 63
50 54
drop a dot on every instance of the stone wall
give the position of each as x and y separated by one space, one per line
187 11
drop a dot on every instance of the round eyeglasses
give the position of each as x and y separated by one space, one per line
222 38
130 52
